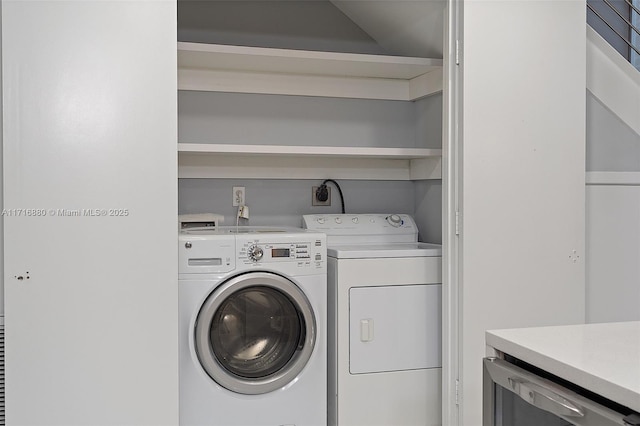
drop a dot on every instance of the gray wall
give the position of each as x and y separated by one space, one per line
311 25
428 210
611 145
283 202
208 117
238 118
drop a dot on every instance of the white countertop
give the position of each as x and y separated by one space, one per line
603 358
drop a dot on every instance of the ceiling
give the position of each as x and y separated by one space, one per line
402 27
394 27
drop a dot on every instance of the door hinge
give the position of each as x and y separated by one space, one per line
457 392
457 223
457 52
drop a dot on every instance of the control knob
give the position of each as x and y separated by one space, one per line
394 220
255 253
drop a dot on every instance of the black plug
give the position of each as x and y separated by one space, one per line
322 193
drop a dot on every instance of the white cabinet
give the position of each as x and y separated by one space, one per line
89 136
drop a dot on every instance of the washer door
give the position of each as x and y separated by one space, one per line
255 333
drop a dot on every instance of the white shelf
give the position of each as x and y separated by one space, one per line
241 69
613 178
211 67
316 151
307 162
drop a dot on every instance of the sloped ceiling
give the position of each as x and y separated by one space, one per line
401 27
285 24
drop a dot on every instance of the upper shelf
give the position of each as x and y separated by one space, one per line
315 151
307 162
212 67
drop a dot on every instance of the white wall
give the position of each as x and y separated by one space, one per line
612 146
613 211
522 235
89 98
613 80
613 250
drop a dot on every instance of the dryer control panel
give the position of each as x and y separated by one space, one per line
364 228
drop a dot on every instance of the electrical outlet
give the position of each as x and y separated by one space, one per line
238 196
314 199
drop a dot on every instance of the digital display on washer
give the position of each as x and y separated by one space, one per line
280 252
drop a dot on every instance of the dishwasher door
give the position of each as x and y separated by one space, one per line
513 396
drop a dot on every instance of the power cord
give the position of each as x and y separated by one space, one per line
322 193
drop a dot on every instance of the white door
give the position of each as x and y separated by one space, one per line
90 198
395 328
522 169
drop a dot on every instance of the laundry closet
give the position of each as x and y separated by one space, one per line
277 97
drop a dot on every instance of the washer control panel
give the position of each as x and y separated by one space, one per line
292 251
255 253
266 252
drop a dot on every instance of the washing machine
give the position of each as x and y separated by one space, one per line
252 327
384 321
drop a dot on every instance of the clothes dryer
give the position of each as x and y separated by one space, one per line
252 315
384 321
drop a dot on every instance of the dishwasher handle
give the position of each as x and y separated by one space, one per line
544 398
632 420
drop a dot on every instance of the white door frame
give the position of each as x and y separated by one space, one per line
452 110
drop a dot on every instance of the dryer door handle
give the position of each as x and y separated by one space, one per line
366 330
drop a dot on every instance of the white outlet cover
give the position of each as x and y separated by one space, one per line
238 196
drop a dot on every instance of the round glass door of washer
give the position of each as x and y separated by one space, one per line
255 333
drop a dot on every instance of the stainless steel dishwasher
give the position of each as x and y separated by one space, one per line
518 394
